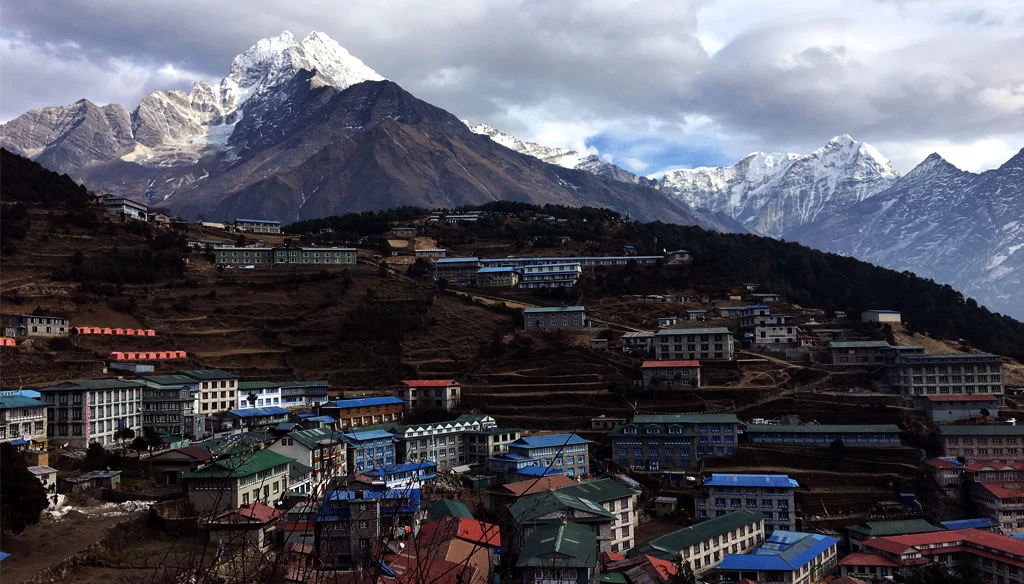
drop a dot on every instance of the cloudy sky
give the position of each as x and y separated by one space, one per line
648 85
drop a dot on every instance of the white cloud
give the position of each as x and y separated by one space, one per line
974 155
635 164
646 76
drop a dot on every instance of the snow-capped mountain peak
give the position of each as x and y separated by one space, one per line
563 157
171 128
772 193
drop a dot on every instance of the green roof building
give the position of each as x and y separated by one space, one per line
534 511
704 544
258 476
566 548
870 529
823 435
447 508
671 444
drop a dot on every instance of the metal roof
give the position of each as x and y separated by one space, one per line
897 527
270 221
9 402
456 260
540 309
241 466
559 545
495 270
549 441
669 364
982 430
208 374
824 429
750 480
783 551
364 402
256 412
539 506
858 344
668 546
720 330
600 490
686 419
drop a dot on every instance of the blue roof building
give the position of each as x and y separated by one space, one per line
369 449
783 557
982 523
566 453
769 494
409 474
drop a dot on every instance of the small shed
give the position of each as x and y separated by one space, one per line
665 506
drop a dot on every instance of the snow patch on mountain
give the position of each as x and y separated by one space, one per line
177 127
772 193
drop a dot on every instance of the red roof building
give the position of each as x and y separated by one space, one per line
247 526
1002 501
670 374
988 553
429 394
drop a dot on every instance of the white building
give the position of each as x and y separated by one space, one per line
550 275
881 316
429 394
555 318
218 390
258 226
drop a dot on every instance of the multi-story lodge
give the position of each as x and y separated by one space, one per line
567 453
168 411
364 411
672 443
265 256
80 412
670 374
920 376
638 342
23 421
440 442
563 275
258 226
704 344
421 395
218 390
1002 501
30 325
281 393
584 261
773 330
996 558
459 271
497 278
320 449
484 443
259 476
555 318
127 209
786 556
858 352
771 495
985 442
822 435
369 450
617 499
704 545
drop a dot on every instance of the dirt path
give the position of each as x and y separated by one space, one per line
43 545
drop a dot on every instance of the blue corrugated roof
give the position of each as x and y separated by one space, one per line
359 436
753 306
538 471
750 480
553 440
366 402
978 523
782 551
400 468
258 221
323 419
512 456
884 311
254 412
495 270
456 260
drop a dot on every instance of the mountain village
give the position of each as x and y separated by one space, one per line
744 439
